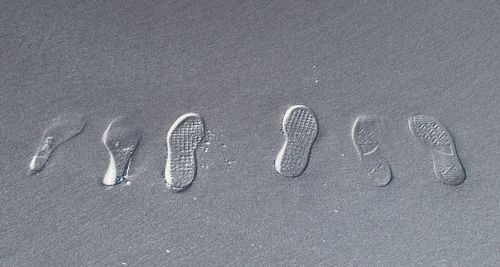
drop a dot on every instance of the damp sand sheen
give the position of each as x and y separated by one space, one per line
62 129
433 134
121 139
183 138
366 136
300 128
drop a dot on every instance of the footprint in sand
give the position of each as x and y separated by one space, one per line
121 139
434 135
365 136
183 138
61 130
300 129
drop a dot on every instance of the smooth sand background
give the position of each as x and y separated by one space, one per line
240 64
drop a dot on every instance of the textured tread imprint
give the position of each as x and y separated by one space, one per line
182 141
300 128
121 139
434 135
62 129
431 132
364 135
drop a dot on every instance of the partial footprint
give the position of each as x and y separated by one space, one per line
121 139
300 128
434 135
364 135
62 129
183 138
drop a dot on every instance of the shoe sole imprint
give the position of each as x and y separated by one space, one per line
365 133
434 135
300 129
183 138
61 130
121 139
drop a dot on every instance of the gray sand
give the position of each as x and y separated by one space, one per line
240 65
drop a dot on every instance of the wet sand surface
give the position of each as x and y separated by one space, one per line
240 66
